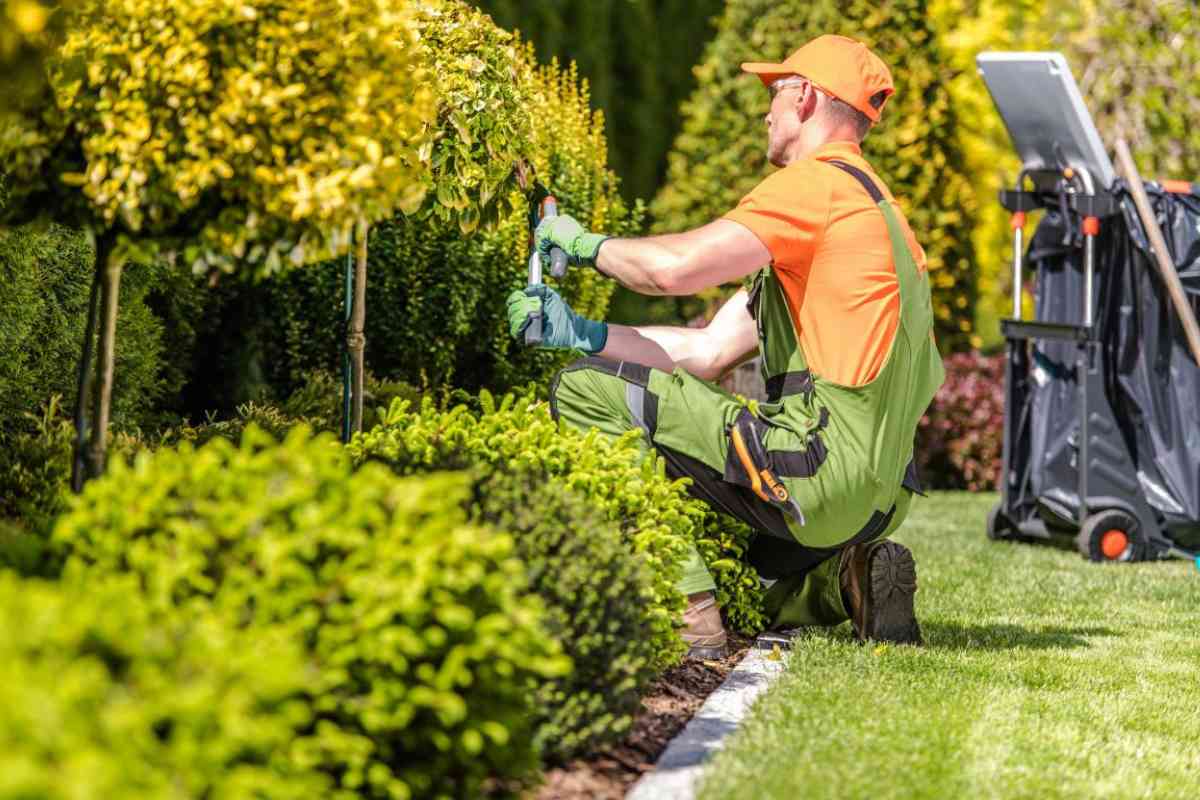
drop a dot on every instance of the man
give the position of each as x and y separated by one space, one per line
841 316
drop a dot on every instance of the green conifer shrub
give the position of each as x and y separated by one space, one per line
103 698
721 152
45 281
35 467
422 643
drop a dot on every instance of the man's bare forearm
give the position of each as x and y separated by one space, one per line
683 263
705 352
647 266
660 347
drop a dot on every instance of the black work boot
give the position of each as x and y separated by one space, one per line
878 581
703 631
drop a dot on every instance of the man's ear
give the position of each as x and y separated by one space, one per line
806 102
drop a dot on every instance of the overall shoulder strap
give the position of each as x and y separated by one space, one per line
862 177
915 302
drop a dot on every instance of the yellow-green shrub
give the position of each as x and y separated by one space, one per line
483 125
599 604
721 152
436 297
103 698
656 516
249 134
421 644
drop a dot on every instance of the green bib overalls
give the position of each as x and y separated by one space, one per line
819 467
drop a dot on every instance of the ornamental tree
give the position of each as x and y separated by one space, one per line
249 136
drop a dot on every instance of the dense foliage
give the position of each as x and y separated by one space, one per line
655 515
598 599
960 438
436 297
45 281
248 133
721 153
421 642
103 698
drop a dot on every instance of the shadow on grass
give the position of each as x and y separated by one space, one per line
952 636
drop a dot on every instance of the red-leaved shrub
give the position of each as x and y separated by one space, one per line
960 438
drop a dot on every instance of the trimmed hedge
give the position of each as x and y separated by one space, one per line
101 698
656 516
422 643
721 152
598 598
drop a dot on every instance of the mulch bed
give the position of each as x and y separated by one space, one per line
672 700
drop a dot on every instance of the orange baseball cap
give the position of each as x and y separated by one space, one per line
838 65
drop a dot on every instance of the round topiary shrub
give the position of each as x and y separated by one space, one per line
438 276
721 152
103 698
598 596
422 642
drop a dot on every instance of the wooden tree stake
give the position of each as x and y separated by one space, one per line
109 269
356 339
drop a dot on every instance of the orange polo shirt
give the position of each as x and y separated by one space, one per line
830 250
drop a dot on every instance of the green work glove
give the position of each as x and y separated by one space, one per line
562 328
566 233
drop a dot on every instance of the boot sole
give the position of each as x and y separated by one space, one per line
892 585
699 652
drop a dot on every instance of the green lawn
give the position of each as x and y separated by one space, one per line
1042 676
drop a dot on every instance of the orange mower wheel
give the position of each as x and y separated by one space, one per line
1111 535
1113 543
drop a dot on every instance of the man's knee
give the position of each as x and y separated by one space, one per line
589 394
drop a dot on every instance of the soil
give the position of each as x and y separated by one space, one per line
671 701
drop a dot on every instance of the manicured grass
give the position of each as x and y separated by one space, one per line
1042 676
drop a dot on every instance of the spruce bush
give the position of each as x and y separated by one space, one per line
103 698
422 644
45 282
721 152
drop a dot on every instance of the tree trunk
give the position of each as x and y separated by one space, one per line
83 387
110 289
356 340
347 370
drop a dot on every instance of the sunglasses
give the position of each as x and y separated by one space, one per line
785 83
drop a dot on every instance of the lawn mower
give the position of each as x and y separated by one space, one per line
1102 386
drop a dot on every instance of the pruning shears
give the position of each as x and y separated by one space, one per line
542 205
